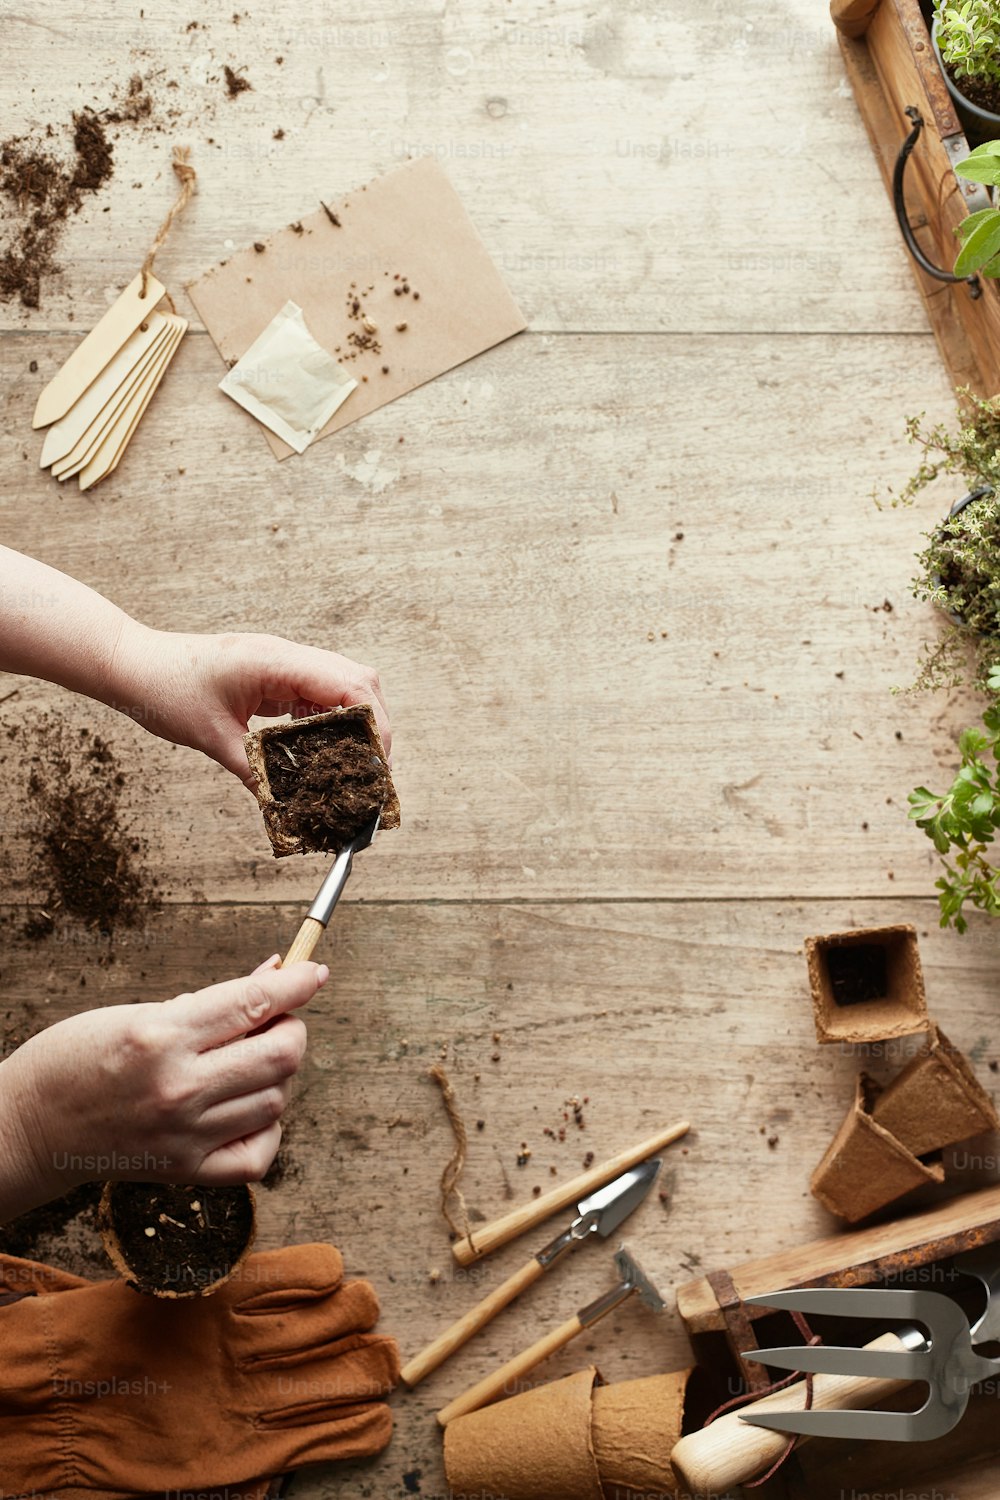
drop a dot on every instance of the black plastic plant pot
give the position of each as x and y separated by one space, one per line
979 124
943 534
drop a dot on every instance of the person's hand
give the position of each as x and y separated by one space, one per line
187 1090
201 690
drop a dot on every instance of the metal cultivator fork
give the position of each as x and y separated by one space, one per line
940 1351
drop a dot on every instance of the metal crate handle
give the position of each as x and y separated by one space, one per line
899 204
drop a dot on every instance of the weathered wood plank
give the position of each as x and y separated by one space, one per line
649 1010
628 611
627 168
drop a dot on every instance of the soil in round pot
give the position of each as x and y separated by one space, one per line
976 99
172 1241
950 576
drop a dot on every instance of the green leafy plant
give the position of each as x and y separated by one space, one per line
959 568
963 821
979 233
968 35
969 38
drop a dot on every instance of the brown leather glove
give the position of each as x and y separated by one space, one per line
102 1389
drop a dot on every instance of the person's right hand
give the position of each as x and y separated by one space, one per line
187 1090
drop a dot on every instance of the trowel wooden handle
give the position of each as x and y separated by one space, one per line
304 941
728 1452
504 1382
485 1238
463 1328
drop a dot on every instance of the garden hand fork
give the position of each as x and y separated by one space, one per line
945 1358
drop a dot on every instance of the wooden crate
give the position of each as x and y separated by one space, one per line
887 51
963 1465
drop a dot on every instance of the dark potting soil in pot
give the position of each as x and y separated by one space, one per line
858 973
984 93
327 783
198 1233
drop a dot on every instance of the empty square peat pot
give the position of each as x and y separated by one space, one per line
867 985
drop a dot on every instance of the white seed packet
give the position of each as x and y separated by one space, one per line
288 381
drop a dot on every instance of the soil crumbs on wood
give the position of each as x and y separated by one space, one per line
40 187
78 846
236 84
198 1233
61 1234
327 781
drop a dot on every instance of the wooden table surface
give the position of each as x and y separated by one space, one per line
636 615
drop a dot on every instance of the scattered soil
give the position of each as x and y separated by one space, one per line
235 82
62 1233
857 973
77 843
326 781
40 192
572 1113
42 186
133 104
198 1232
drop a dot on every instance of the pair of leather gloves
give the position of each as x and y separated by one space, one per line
105 1392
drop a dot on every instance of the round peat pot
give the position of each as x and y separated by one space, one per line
980 124
170 1241
956 510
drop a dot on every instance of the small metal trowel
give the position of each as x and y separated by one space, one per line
601 1214
315 922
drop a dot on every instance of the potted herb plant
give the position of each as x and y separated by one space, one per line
959 568
966 37
962 821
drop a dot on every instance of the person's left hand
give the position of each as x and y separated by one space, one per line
201 690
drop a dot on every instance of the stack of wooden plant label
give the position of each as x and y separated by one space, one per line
96 401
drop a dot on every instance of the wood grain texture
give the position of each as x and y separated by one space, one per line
634 766
628 169
549 511
644 1008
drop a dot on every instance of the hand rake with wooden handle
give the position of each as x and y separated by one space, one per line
848 1381
505 1381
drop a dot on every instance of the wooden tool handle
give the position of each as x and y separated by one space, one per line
730 1451
463 1328
304 941
506 1380
853 17
491 1236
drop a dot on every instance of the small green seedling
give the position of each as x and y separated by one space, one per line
963 821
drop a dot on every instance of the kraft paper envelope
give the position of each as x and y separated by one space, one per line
408 230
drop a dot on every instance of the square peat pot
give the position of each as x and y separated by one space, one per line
867 985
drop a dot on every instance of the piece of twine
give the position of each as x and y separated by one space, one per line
748 1397
187 177
456 1163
